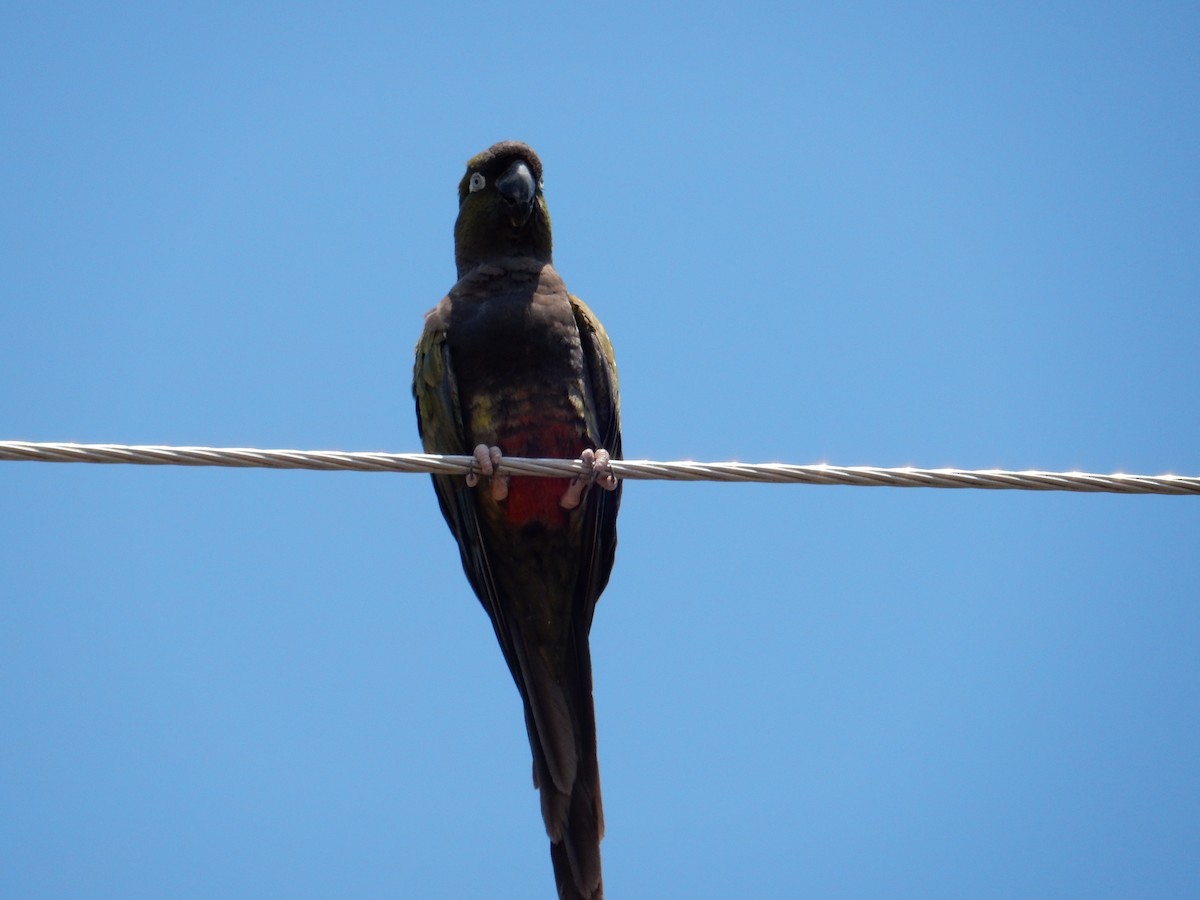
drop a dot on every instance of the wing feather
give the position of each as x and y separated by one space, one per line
600 527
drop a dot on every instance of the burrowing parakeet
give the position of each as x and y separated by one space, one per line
509 361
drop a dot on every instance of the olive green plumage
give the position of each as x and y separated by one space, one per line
510 359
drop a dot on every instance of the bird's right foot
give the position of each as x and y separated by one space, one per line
488 459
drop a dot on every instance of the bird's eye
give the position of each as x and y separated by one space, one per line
477 182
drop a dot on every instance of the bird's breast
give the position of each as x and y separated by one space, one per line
522 387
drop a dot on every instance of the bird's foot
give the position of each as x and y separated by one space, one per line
598 472
487 460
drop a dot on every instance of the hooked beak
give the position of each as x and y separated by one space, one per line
518 190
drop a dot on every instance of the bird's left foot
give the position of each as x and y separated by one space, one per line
598 472
488 460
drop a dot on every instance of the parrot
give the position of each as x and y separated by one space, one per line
510 362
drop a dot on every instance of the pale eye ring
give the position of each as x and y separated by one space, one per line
477 182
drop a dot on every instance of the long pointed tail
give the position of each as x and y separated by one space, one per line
575 851
570 788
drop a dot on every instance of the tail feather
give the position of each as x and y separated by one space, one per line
576 853
573 813
565 876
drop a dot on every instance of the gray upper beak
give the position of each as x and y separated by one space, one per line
518 189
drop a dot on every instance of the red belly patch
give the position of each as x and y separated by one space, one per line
536 500
539 499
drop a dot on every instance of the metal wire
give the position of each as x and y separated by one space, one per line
769 473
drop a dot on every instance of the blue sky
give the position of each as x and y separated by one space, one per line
866 234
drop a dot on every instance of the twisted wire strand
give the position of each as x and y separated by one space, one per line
643 470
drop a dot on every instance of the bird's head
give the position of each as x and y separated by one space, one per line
501 210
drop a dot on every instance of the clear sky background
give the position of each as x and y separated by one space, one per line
866 234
